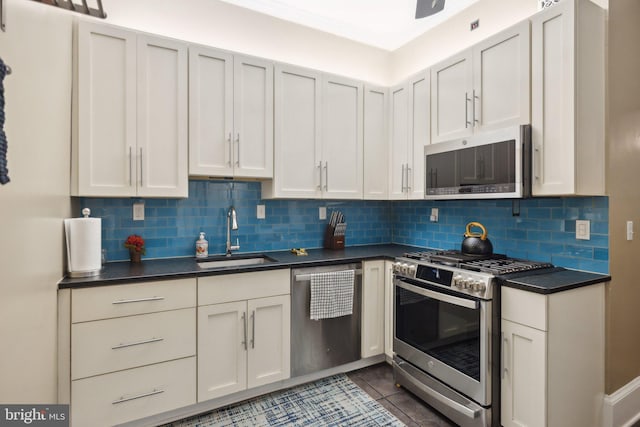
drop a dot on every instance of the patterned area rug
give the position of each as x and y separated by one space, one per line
333 401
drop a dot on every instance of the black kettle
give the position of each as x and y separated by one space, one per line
476 243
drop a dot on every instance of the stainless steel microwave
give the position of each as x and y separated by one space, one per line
491 165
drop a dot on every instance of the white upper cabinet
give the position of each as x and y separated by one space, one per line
484 87
376 143
230 115
130 114
568 99
410 127
297 155
162 118
342 138
318 136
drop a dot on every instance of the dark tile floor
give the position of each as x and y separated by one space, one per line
378 382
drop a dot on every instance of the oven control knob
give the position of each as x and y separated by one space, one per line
457 279
480 287
412 270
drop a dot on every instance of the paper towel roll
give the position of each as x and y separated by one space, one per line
84 246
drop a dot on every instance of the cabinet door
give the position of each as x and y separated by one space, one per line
342 142
376 143
501 74
253 117
523 376
269 340
399 132
553 110
373 288
162 118
451 101
388 310
210 112
104 142
419 129
222 349
297 165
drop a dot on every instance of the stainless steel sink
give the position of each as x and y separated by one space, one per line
234 261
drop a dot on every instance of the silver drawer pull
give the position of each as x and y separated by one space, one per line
131 344
127 301
139 396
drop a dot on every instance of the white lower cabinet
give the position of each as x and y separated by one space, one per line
372 319
244 335
127 351
122 396
389 304
552 367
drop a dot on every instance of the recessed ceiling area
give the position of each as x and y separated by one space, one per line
387 24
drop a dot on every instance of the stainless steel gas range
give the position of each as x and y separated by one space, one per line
446 330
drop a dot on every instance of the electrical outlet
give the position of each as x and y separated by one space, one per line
138 211
322 212
260 212
583 231
434 215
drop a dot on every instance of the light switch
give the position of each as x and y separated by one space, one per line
629 230
583 231
138 211
260 212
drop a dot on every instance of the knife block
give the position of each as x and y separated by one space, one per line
331 241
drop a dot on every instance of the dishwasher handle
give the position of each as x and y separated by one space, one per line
307 277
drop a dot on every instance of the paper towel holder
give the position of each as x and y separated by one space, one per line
94 266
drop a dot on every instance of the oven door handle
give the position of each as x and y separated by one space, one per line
462 302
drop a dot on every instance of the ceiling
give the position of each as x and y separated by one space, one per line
387 24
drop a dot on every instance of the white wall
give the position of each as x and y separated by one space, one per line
218 24
37 46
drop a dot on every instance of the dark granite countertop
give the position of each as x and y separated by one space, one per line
173 268
547 282
557 280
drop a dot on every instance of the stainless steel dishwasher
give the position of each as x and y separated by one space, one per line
322 344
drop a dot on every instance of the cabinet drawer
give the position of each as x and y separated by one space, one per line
119 397
126 342
135 298
526 308
242 286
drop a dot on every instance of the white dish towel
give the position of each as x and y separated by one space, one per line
331 294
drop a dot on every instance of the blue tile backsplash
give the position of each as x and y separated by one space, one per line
544 230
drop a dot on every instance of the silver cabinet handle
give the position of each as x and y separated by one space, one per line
326 176
238 149
538 163
244 325
503 360
130 166
141 170
409 171
320 175
138 396
127 301
466 110
402 187
230 149
253 329
131 344
475 118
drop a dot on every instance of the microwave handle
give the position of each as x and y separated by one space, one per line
450 299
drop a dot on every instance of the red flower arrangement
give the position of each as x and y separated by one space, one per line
135 243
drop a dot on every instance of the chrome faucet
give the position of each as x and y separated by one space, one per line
232 224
